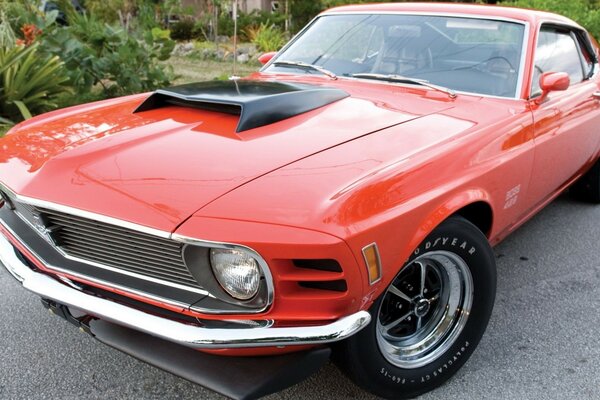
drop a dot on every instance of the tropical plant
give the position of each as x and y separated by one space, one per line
268 38
30 82
251 32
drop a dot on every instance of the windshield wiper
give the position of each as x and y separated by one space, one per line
303 65
405 79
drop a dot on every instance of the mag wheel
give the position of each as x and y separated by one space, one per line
587 188
429 319
424 309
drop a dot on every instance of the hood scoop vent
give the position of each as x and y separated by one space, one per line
258 103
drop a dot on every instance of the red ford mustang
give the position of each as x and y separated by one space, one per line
346 198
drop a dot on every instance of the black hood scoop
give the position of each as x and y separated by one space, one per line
258 103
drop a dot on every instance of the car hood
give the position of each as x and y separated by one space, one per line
158 166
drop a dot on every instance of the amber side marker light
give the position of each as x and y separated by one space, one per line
371 256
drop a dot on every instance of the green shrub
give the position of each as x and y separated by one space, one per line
247 20
584 12
146 15
183 29
269 38
158 33
107 10
98 55
96 59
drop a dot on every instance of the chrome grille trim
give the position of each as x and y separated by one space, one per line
117 223
88 278
119 248
111 247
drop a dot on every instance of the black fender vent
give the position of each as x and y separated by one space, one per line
327 275
320 265
339 285
258 103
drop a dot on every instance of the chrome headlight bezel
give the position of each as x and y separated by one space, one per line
196 255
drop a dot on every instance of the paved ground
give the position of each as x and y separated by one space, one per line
542 342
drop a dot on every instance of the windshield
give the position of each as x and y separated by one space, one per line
464 54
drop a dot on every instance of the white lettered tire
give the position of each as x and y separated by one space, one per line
430 319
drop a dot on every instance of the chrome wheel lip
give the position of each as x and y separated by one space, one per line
449 313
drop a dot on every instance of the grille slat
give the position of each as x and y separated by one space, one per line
130 266
94 226
105 241
121 249
118 254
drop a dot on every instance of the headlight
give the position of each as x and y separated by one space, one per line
236 271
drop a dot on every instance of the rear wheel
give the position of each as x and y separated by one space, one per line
587 188
430 318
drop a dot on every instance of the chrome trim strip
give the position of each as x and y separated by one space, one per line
526 33
188 335
521 76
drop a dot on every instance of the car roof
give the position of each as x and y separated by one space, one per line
521 14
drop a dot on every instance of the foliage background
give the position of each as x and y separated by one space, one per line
584 12
118 47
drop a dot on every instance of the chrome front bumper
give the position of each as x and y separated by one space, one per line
188 335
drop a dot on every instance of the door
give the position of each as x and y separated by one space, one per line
566 124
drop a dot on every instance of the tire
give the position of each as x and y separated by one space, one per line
448 316
587 188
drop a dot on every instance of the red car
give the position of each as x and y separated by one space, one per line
343 201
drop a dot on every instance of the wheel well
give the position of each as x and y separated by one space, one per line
479 214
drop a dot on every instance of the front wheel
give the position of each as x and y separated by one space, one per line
429 319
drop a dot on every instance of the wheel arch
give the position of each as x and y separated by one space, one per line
474 205
480 214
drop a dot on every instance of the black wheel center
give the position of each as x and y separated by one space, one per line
422 307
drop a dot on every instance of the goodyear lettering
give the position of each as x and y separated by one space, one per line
455 242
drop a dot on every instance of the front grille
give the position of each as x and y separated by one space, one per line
121 249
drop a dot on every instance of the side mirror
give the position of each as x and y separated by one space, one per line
552 82
265 58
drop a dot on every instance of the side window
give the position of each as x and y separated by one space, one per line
557 51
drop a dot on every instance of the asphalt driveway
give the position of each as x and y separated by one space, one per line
542 341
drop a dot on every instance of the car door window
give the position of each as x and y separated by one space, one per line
556 51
